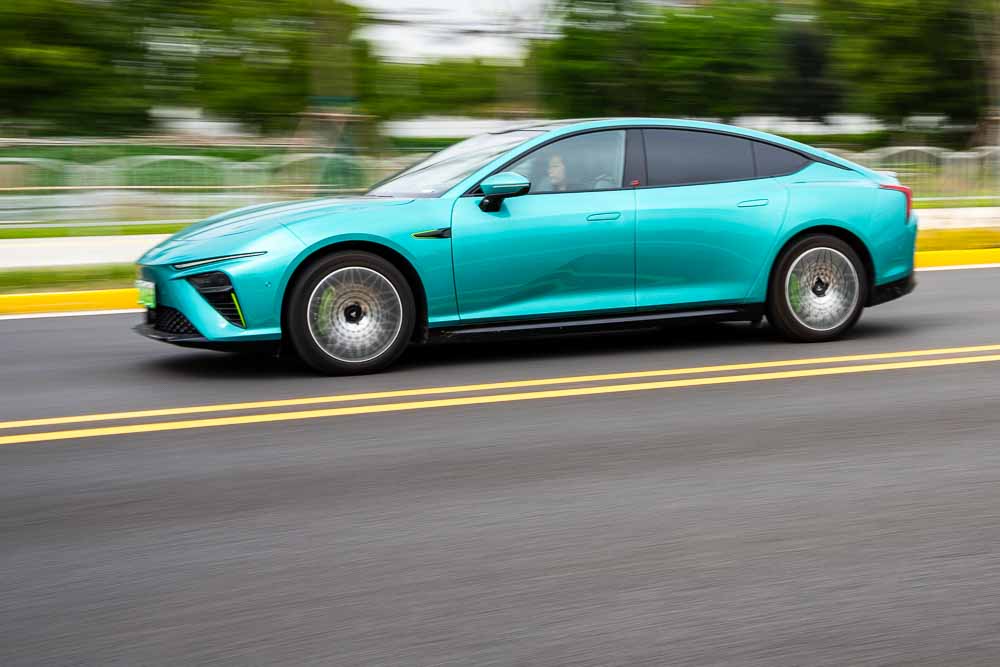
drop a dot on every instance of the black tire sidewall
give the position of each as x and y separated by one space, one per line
298 307
779 312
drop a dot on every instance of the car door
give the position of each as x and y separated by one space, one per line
567 246
705 218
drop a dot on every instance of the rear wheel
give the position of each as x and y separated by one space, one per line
350 313
818 291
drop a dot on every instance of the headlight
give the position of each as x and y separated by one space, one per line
208 260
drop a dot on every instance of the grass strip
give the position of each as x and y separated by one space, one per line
62 232
54 279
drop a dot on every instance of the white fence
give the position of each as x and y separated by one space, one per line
38 192
141 188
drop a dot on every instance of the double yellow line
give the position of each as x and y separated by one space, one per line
489 393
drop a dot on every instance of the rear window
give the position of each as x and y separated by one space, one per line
685 157
775 161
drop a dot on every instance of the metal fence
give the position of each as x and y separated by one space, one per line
138 189
939 175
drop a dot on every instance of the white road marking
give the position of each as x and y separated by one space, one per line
960 267
75 313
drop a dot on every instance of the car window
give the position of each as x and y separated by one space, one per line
775 161
581 163
685 157
441 171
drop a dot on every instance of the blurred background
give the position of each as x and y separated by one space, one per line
137 117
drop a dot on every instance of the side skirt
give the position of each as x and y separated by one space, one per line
645 320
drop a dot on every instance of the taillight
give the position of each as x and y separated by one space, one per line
907 192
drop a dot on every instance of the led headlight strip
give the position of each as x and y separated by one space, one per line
208 260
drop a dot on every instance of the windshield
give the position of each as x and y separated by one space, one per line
440 172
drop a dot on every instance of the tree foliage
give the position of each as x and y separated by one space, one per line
80 66
620 58
890 58
77 66
905 56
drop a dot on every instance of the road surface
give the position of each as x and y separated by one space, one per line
834 512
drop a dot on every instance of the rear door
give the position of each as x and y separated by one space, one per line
705 219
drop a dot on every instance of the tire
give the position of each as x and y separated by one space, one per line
350 313
818 290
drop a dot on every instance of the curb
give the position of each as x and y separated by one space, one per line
60 302
927 259
128 298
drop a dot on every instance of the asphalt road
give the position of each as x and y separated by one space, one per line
848 518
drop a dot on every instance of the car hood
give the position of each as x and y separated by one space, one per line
237 231
263 218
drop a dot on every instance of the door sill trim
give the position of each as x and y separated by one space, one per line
719 313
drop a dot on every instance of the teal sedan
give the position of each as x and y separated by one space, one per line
563 226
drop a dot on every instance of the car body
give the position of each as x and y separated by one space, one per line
549 227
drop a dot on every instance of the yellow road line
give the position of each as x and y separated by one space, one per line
483 400
513 384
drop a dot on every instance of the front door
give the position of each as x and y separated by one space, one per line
566 247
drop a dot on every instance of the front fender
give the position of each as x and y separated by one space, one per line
430 258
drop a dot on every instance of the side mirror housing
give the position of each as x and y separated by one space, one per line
498 187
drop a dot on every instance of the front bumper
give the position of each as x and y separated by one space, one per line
894 290
149 330
184 316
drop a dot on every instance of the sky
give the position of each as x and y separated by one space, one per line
434 29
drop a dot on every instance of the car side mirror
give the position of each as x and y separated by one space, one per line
498 187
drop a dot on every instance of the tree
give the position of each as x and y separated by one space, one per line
70 67
908 56
618 58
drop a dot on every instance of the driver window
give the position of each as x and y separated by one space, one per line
582 163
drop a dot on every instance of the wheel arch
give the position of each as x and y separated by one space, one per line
384 251
847 236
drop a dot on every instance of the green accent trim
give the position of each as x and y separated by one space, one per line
239 311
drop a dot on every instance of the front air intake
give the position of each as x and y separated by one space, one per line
171 321
216 288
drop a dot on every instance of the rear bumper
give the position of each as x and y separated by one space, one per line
894 290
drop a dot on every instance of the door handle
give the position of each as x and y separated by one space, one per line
595 217
753 202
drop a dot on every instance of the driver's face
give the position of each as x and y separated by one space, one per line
557 171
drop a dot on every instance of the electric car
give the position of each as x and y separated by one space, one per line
567 225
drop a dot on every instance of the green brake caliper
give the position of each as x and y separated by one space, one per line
324 323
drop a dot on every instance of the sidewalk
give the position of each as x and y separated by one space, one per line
81 250
75 250
959 218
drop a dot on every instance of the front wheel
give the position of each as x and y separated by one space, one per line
350 313
818 290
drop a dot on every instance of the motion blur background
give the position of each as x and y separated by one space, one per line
137 117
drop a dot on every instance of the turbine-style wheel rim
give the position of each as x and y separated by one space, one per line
822 289
355 314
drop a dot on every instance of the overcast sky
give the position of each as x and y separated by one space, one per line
445 28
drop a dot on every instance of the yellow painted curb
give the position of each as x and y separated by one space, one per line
926 259
58 302
120 299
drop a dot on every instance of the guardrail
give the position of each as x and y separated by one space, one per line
142 188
